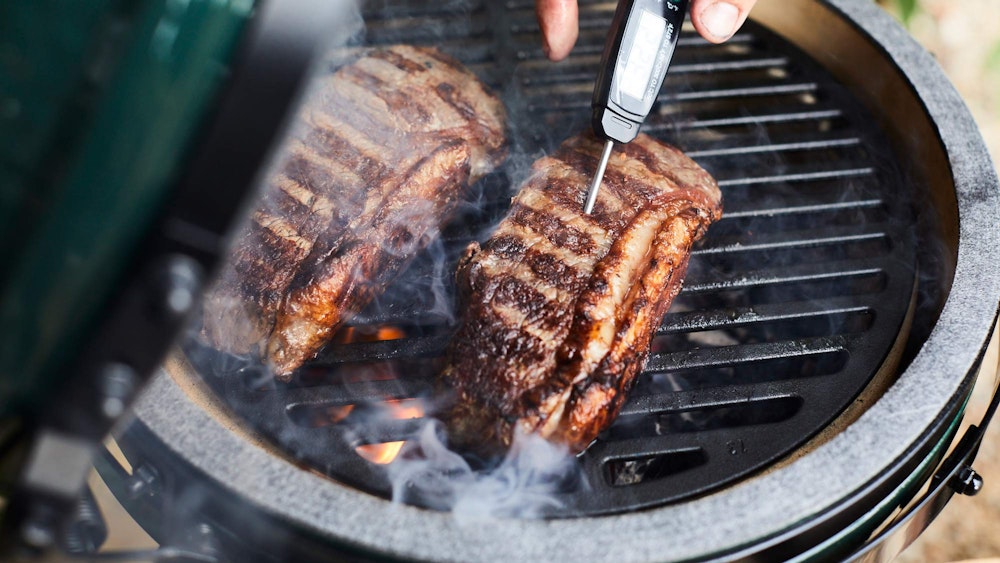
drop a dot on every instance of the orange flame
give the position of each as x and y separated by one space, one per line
384 453
381 454
335 414
351 334
404 409
389 333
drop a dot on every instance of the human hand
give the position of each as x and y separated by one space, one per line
715 20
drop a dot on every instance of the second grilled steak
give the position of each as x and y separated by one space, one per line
560 307
382 152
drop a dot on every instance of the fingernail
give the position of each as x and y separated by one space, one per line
720 19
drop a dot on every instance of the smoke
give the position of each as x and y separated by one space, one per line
525 484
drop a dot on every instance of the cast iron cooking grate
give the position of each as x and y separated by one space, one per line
792 302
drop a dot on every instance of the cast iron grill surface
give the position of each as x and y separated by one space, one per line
791 303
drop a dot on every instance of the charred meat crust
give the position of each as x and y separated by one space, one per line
349 271
560 307
381 153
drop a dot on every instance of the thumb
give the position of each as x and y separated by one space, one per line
718 20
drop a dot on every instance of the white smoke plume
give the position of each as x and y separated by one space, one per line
525 484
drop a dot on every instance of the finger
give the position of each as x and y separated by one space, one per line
560 26
718 20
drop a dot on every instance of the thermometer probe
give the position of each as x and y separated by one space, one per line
636 55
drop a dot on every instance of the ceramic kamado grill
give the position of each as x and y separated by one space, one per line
805 396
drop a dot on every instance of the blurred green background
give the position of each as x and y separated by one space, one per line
964 36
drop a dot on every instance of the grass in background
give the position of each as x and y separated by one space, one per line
902 9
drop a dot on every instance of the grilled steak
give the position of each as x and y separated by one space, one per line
382 152
560 307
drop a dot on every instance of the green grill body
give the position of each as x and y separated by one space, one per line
100 104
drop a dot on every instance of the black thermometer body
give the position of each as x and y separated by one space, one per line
636 56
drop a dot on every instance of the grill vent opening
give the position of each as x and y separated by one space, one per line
632 471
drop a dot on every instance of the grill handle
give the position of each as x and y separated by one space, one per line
955 475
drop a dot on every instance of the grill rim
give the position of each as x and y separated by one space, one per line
296 416
913 413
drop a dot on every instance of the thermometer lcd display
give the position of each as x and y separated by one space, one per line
640 58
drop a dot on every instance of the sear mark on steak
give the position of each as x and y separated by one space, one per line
560 307
381 153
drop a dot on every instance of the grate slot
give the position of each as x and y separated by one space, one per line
746 413
591 43
744 353
586 72
831 236
801 195
317 416
786 328
809 273
772 148
804 367
798 210
634 470
378 432
431 28
419 347
861 215
799 177
739 64
758 253
369 392
708 398
676 323
696 94
637 447
744 92
735 120
567 99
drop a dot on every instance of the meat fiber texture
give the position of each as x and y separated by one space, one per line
560 307
382 152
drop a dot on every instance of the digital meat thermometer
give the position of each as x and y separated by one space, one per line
636 55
